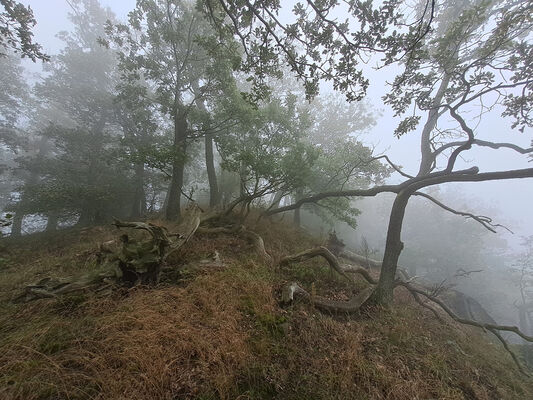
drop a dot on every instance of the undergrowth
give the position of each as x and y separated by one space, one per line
221 334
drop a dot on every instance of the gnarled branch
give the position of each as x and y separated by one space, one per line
495 329
483 220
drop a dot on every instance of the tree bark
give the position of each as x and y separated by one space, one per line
214 195
383 294
297 219
173 210
139 199
51 223
425 142
16 226
277 199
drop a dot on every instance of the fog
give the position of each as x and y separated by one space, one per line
54 148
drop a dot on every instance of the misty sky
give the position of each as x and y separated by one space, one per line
512 198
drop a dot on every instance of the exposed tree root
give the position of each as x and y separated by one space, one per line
322 303
258 243
495 329
140 262
351 269
50 288
316 252
362 260
246 234
290 291
327 305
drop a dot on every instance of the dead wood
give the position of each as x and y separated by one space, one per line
494 328
332 306
322 303
51 288
361 260
246 234
140 261
316 252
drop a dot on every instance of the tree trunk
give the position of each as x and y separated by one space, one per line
242 178
277 199
85 217
214 195
393 248
173 210
297 219
51 223
42 151
433 116
16 226
139 199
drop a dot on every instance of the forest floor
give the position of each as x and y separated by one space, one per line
220 333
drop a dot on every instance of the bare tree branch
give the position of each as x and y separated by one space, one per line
495 329
483 220
414 184
484 143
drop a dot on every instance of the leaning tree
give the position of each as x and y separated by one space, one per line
456 58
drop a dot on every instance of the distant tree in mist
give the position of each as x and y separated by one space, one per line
71 172
14 95
169 45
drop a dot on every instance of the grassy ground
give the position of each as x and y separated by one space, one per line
220 334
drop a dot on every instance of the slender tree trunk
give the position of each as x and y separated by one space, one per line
139 198
384 292
89 212
277 199
433 116
51 223
173 210
16 225
242 180
42 151
85 217
297 219
214 195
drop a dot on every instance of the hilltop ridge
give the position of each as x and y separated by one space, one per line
214 328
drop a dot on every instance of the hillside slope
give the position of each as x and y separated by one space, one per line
218 332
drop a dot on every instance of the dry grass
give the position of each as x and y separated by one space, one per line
221 335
